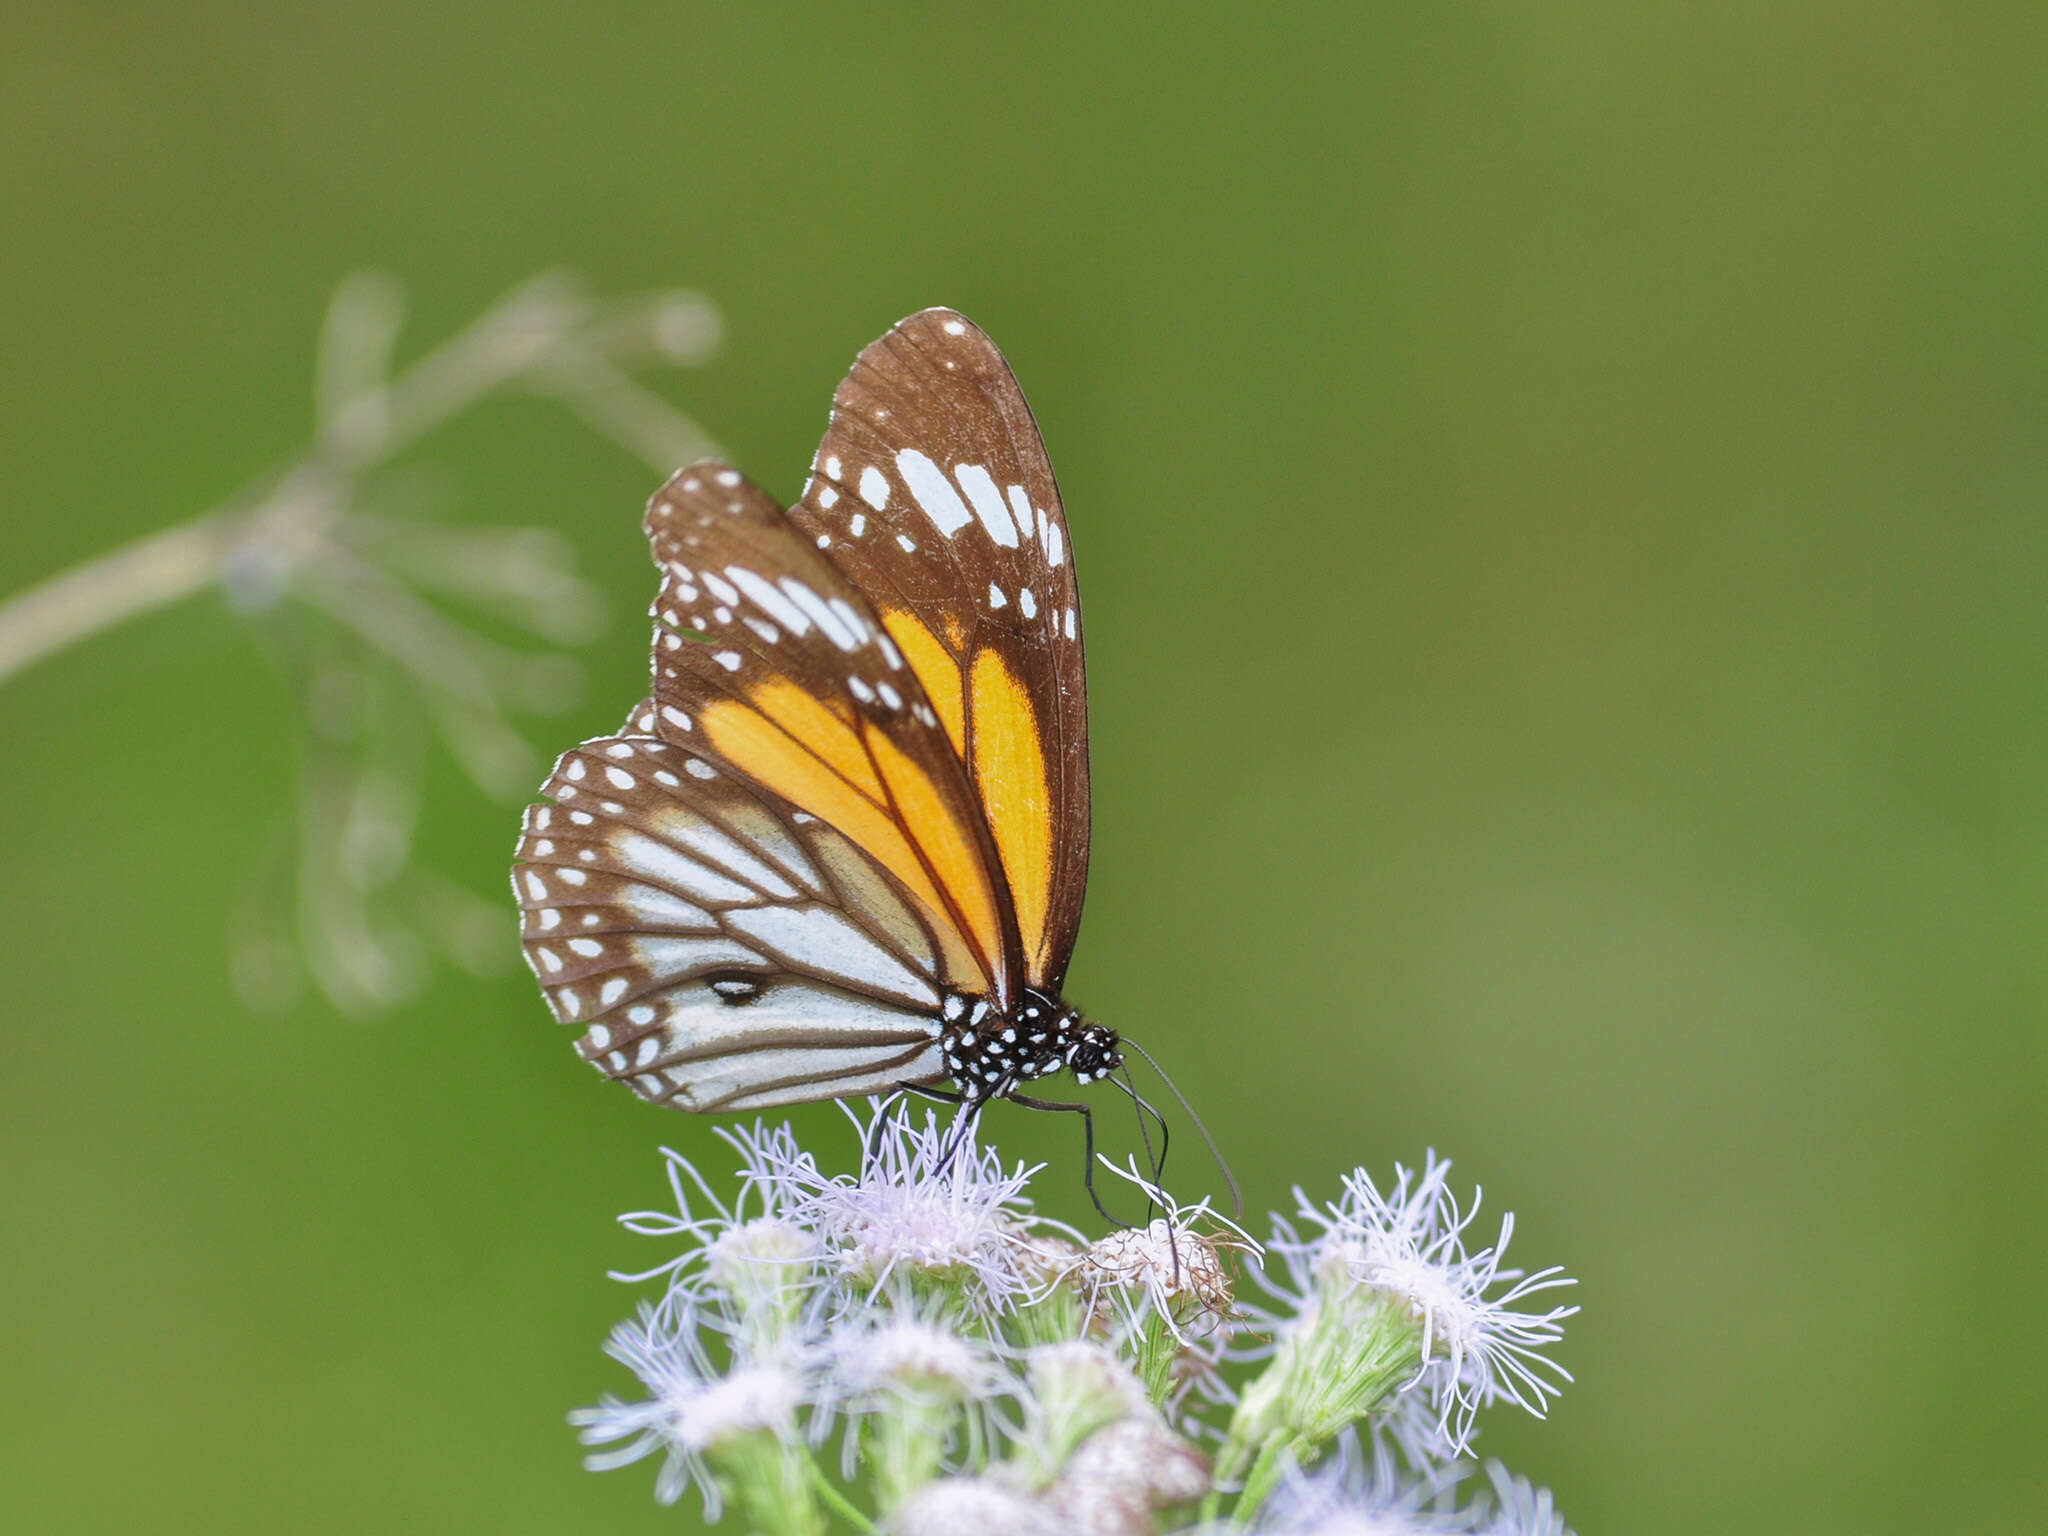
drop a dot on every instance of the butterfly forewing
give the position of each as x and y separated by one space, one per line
933 493
770 663
723 952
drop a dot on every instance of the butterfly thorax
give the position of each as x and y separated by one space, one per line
990 1053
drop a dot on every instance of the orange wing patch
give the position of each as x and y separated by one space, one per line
955 858
936 671
799 750
1009 770
825 733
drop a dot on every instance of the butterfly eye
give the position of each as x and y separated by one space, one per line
736 991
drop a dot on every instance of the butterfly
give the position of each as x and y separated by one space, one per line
842 845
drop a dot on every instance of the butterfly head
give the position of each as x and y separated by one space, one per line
1093 1051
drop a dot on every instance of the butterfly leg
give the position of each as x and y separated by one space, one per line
962 1126
1088 1135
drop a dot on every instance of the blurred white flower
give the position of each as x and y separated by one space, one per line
973 1506
693 1409
1351 1494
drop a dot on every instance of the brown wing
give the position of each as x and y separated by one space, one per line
933 493
769 662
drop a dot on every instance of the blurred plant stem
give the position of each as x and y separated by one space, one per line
546 337
347 599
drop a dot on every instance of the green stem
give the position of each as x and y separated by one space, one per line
1264 1476
838 1502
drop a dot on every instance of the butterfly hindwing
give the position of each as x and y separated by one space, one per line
722 951
933 493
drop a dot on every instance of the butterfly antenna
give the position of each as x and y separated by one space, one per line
1229 1178
1156 1163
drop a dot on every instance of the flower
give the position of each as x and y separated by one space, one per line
1410 1242
1405 1248
1350 1498
693 1409
932 1207
754 1251
1167 1269
981 1505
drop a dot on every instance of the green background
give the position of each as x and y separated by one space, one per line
1561 493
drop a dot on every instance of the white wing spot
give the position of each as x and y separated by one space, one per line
768 632
730 660
874 488
828 498
620 778
550 917
589 855
640 1013
832 466
860 690
549 958
1020 509
723 615
570 1002
995 596
650 1047
859 525
572 876
770 600
534 887
934 492
675 717
724 590
581 818
955 328
666 779
599 1037
1028 603
699 769
824 541
889 653
981 490
909 544
690 484
1055 544
588 948
827 617
575 770
1070 624
890 696
728 477
543 848
611 992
